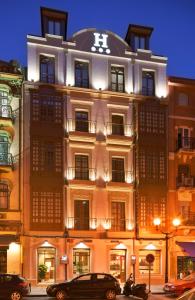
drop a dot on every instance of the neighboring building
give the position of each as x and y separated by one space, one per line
91 106
181 193
10 201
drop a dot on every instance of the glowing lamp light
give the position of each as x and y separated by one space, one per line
107 224
150 247
176 222
46 244
130 226
14 247
81 245
129 178
120 246
157 221
93 224
70 223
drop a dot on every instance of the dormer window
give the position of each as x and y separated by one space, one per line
139 42
54 27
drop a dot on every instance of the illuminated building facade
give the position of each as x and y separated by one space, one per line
95 121
181 186
10 201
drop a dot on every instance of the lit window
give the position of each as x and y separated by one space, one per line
117 79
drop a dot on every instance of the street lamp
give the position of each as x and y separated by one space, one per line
176 222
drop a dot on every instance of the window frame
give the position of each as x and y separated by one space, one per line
45 76
81 82
147 76
115 70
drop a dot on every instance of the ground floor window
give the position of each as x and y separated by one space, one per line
3 259
143 264
46 264
185 266
81 261
118 264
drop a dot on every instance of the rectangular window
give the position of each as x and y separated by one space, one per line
117 79
81 121
118 171
81 214
4 195
139 42
81 167
81 74
118 216
47 69
117 125
148 84
49 157
144 265
81 261
54 27
183 138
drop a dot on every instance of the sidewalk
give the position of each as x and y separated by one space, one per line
41 290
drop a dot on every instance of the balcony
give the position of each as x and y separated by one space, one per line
186 144
7 118
6 162
186 182
81 174
119 130
110 226
81 126
121 176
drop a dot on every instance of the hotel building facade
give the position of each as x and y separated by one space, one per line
98 158
92 106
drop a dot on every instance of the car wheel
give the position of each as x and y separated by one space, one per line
110 294
15 295
61 295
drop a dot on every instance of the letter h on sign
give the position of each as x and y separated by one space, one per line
100 43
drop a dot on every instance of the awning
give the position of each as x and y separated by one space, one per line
188 247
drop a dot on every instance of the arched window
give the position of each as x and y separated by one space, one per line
4 195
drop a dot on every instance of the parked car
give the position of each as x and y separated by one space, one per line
87 285
13 287
189 295
180 286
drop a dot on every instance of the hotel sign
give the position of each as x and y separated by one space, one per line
100 43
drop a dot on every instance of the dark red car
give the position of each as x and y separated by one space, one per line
180 286
13 287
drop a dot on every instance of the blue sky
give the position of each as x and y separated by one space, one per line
173 22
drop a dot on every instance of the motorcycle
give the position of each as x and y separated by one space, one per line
137 290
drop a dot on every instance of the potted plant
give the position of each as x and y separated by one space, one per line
42 270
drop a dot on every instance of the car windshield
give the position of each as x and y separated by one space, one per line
189 277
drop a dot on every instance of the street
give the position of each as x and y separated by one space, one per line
151 297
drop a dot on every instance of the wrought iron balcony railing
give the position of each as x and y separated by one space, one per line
119 129
185 182
81 125
6 159
81 173
186 143
122 176
99 224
